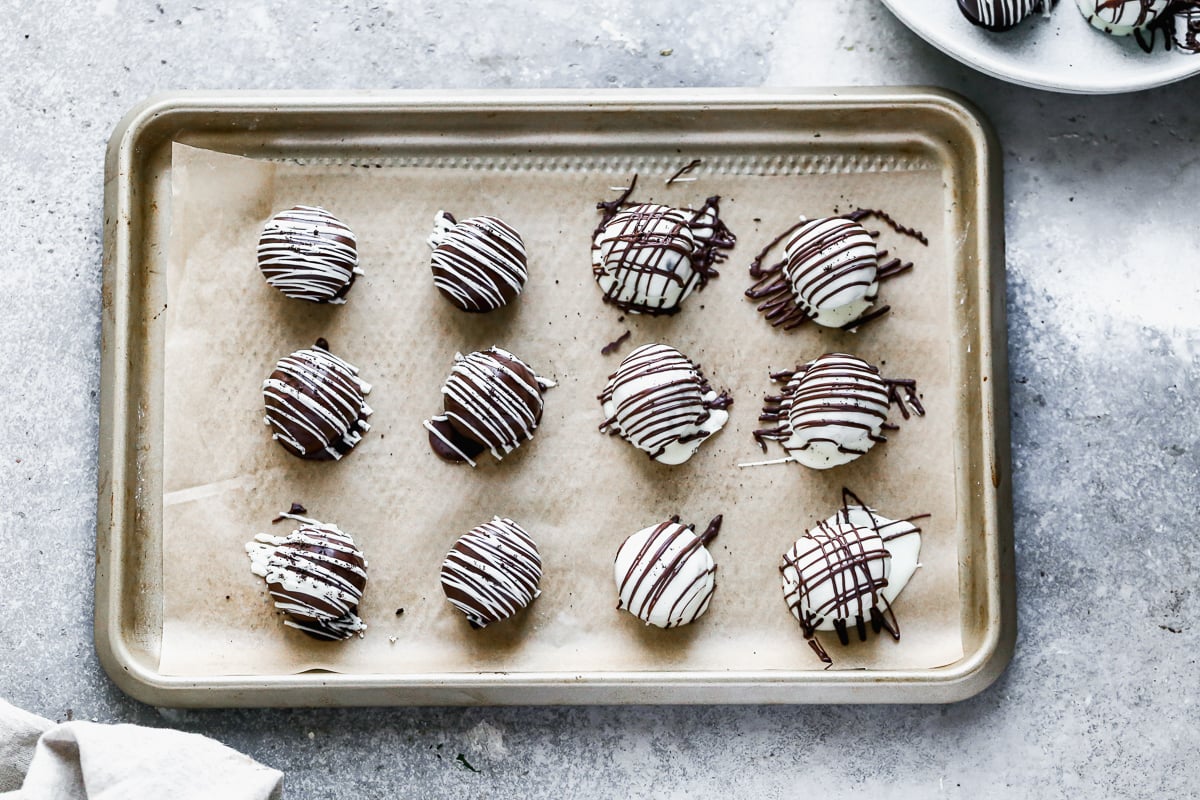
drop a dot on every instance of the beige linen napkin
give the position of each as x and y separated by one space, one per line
41 760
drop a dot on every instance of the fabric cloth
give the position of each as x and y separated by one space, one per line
43 760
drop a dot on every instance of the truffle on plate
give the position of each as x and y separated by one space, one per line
316 574
309 254
830 272
492 400
478 263
1122 17
665 575
833 410
316 404
658 401
847 571
492 572
647 257
997 15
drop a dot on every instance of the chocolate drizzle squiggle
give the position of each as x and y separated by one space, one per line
830 272
492 572
660 403
665 575
309 254
848 570
648 258
478 264
316 404
492 401
833 410
316 575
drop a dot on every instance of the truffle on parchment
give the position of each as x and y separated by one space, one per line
316 404
479 264
492 572
846 572
309 254
492 400
648 257
665 575
316 574
659 402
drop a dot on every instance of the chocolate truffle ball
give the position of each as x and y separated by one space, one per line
1185 25
316 574
832 410
665 575
648 258
479 263
309 254
848 570
316 404
1122 17
658 401
997 15
492 572
492 401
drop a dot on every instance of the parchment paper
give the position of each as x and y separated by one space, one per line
578 492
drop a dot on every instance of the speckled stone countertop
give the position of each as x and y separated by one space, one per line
1104 345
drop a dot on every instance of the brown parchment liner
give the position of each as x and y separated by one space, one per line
579 493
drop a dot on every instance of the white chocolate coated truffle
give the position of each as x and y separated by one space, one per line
1121 17
658 401
665 575
647 258
848 570
832 265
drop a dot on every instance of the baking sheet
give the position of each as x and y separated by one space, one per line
577 492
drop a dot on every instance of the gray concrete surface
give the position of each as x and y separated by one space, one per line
1104 289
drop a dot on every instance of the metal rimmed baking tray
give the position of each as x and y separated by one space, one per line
813 131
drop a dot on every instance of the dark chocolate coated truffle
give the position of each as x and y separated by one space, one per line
478 264
316 575
997 15
492 572
492 401
316 404
309 254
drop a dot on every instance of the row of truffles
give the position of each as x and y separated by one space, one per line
828 412
647 258
1177 20
844 574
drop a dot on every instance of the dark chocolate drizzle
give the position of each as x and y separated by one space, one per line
615 344
779 302
684 170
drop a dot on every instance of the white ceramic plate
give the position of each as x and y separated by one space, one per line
1062 53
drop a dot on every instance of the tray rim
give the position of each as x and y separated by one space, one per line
116 478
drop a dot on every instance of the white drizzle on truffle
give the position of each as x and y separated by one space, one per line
658 401
479 264
316 574
492 572
316 404
309 254
492 401
665 575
